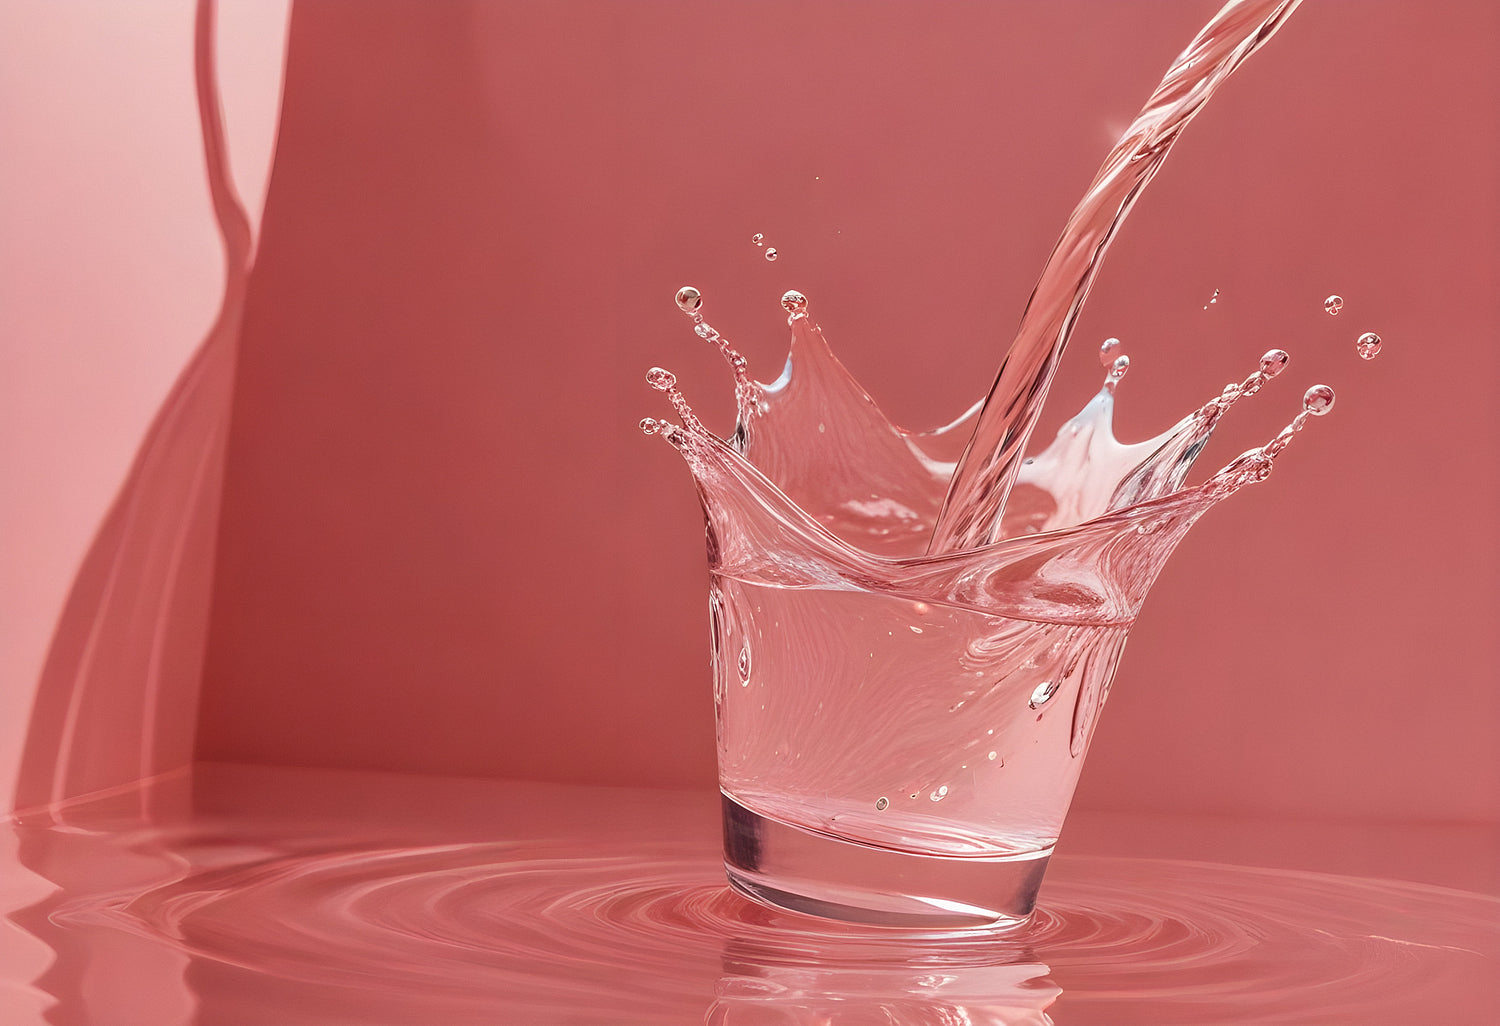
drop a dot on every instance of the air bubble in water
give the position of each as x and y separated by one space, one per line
1108 350
794 302
1274 362
1318 400
939 794
1213 300
1367 345
689 299
771 253
1044 691
660 378
651 426
1333 304
758 239
745 665
882 803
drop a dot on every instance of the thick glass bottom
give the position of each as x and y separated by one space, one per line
805 871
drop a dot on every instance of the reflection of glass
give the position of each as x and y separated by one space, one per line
909 983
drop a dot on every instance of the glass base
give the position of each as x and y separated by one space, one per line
804 871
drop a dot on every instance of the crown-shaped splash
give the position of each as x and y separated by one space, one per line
816 483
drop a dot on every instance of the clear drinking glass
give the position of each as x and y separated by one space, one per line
893 760
900 733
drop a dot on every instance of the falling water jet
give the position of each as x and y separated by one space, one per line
972 512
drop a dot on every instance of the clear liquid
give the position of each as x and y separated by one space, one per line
855 696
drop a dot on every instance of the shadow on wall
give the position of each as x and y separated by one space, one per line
118 697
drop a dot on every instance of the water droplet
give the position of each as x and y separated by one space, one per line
689 299
939 794
1116 373
993 756
660 378
1367 345
1274 362
882 803
745 665
771 253
1043 693
1108 350
793 302
1318 400
1333 304
758 239
651 426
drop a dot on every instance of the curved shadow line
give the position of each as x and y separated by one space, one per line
136 566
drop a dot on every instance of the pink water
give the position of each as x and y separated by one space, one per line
311 898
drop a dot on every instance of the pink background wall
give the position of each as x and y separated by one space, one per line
444 546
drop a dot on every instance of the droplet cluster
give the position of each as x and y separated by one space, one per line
1367 345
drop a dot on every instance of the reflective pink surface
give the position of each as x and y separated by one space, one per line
315 897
